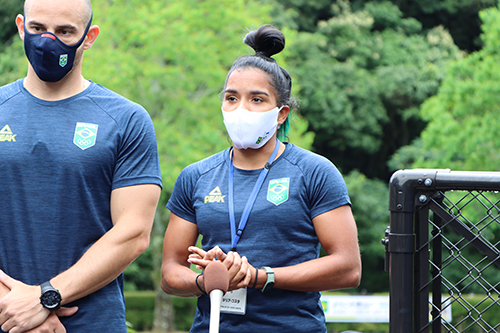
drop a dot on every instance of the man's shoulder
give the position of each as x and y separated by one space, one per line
111 101
8 91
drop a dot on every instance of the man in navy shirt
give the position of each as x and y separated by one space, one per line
80 167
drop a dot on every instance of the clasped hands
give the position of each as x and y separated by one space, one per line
21 311
239 269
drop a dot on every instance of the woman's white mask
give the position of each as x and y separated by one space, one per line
249 129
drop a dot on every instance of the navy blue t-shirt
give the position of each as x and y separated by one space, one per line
59 162
299 186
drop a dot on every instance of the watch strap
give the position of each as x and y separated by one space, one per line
270 279
46 286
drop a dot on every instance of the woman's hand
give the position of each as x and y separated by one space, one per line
239 270
202 258
238 267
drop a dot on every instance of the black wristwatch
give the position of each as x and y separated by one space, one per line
270 279
51 297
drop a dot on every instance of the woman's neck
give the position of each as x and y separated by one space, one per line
252 159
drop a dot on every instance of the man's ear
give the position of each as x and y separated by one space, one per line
20 26
91 37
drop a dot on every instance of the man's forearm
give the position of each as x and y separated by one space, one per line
100 265
132 212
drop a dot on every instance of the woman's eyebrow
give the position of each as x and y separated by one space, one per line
253 92
258 92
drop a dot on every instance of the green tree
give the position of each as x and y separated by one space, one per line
362 76
370 199
8 11
460 17
462 118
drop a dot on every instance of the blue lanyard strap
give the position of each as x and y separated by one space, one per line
236 234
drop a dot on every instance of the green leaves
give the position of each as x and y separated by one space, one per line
362 77
463 128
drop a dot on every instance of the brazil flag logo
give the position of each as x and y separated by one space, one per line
85 135
63 60
277 192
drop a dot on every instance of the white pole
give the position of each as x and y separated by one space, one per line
215 303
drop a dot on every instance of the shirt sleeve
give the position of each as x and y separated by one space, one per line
326 189
138 161
181 200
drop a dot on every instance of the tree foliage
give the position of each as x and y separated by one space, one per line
363 75
459 17
8 11
463 120
370 199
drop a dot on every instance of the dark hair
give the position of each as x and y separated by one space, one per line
268 41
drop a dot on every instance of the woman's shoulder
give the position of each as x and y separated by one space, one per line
306 158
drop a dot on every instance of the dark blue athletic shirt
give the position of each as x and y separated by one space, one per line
299 186
59 162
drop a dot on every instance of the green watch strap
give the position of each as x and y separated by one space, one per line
270 279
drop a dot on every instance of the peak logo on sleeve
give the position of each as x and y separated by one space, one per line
7 135
215 196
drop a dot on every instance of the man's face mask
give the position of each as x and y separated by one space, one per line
49 56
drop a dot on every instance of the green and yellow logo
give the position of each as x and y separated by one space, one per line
7 135
63 60
215 196
85 135
324 305
277 192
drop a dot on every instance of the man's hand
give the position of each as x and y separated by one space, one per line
53 324
20 309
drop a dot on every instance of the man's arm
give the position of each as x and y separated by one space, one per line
52 323
132 213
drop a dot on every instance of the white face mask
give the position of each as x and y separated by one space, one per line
249 129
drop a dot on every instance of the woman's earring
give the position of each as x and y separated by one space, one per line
279 126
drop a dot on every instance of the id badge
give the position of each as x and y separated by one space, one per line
234 302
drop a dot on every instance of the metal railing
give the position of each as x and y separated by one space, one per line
443 250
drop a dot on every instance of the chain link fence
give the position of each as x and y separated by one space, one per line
443 251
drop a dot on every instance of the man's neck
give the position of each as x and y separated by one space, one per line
71 85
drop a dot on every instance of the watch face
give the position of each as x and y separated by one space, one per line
51 299
269 286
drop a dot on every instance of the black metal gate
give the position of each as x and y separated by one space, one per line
443 250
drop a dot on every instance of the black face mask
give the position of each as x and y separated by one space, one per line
49 56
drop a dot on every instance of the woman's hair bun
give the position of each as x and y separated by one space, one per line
266 41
